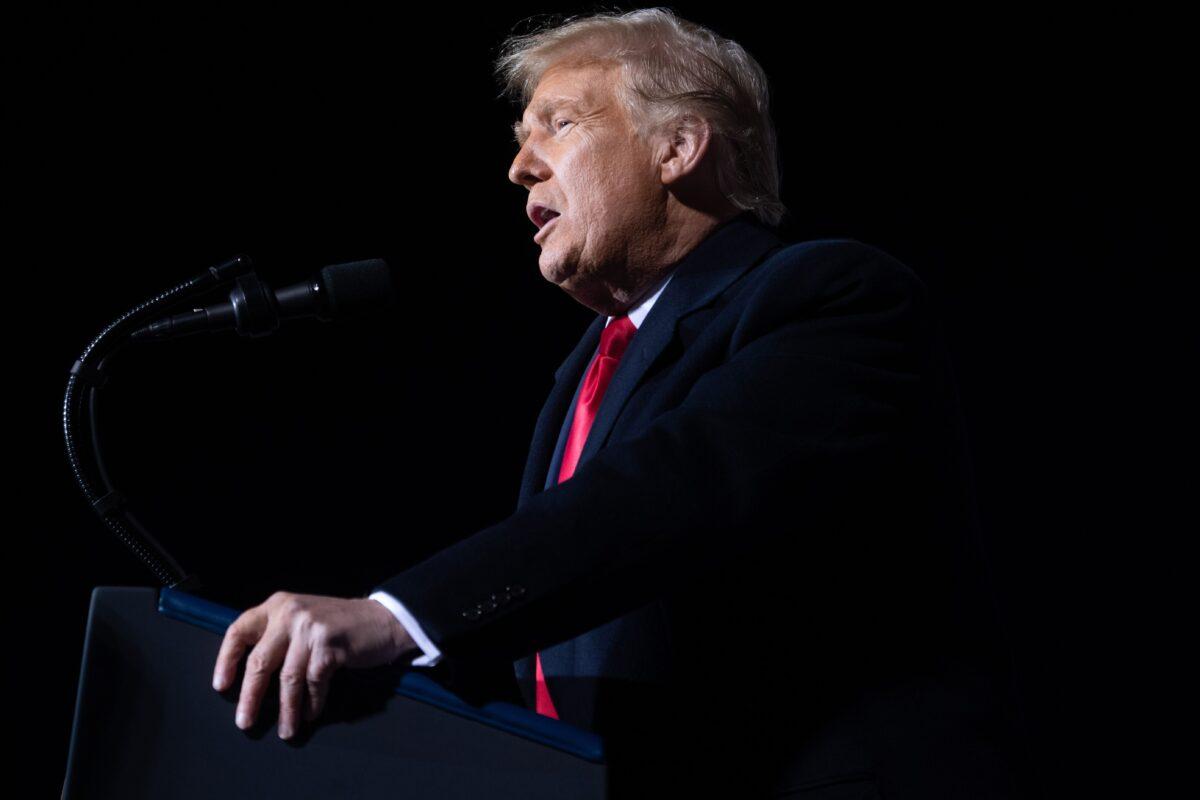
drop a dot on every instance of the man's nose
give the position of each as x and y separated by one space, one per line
528 167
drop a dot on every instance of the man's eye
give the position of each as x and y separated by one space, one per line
558 123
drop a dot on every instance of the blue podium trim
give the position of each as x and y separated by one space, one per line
412 684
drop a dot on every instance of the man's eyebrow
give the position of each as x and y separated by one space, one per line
543 110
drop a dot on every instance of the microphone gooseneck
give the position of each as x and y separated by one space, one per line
253 309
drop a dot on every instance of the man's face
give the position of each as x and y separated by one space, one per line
581 157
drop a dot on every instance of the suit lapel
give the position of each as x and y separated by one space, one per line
699 278
545 432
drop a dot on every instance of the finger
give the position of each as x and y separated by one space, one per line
261 664
321 666
241 634
292 686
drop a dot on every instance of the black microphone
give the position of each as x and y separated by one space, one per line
254 309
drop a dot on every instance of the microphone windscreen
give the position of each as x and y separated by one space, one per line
358 287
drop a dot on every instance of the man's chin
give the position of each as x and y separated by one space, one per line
555 271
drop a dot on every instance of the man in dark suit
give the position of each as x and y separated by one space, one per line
744 548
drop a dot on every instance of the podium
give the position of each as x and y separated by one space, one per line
149 724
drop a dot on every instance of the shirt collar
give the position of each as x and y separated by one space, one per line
638 313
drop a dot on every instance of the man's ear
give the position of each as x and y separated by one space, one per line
685 145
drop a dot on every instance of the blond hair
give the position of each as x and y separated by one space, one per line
671 70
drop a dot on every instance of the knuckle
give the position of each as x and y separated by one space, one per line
292 605
290 678
256 663
279 598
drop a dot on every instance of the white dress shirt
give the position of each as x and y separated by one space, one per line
432 655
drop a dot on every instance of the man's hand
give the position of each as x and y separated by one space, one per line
311 637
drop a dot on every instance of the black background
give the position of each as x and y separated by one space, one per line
1025 165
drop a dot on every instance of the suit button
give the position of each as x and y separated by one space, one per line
515 591
489 605
472 614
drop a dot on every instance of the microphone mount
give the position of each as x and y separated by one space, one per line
88 375
253 310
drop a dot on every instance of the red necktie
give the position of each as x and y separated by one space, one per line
614 340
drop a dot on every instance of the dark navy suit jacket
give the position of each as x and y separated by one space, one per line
762 578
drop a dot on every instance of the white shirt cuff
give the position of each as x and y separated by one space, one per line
432 654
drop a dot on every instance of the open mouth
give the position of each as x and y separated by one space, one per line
546 224
542 215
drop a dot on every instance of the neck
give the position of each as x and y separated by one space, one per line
686 228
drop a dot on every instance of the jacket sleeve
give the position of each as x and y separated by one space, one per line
816 396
